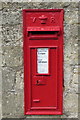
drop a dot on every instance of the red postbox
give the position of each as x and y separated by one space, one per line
43 61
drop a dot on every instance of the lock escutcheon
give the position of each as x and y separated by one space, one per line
38 82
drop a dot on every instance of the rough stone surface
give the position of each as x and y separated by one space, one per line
39 0
0 62
12 58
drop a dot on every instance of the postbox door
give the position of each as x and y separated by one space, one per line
44 77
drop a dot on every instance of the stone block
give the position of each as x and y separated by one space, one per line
12 35
12 93
12 56
71 17
71 105
12 79
12 105
8 75
70 79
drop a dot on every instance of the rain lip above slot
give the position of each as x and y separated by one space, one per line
54 28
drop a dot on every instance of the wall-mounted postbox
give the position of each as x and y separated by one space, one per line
43 61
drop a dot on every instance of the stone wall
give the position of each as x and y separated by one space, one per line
12 58
0 61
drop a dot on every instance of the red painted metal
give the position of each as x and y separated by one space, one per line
43 92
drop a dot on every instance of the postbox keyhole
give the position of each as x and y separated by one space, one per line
37 81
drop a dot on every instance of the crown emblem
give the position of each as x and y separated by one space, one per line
43 19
